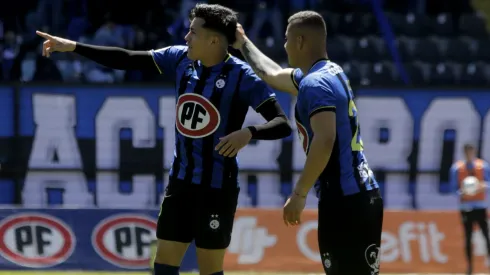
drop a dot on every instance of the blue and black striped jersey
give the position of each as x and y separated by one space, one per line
211 102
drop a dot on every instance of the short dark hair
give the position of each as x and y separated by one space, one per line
308 19
217 18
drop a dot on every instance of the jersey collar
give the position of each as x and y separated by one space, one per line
217 66
316 63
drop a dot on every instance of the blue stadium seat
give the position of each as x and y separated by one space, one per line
350 24
337 49
365 49
426 50
458 50
473 25
483 50
380 73
384 52
332 21
415 72
414 25
473 74
442 25
369 25
442 74
353 71
405 48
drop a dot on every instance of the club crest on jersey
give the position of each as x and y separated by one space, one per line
196 117
303 136
220 83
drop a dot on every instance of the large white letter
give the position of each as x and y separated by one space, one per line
55 147
392 113
443 114
115 114
167 122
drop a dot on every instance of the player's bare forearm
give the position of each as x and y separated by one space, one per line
316 161
262 65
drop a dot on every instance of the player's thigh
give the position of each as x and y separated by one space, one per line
328 239
214 224
362 235
174 227
481 218
350 238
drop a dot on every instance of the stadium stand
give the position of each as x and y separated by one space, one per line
445 34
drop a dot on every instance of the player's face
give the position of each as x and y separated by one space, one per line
469 153
197 39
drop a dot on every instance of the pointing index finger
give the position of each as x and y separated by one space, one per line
44 35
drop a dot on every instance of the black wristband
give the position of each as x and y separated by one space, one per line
253 130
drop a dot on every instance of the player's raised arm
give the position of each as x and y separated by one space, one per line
273 74
112 57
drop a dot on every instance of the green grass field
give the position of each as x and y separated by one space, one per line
146 273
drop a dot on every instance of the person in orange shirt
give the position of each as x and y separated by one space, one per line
468 177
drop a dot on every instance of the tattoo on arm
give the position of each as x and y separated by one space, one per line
260 63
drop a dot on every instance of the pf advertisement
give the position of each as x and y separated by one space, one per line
115 240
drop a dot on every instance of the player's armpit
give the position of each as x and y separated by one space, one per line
277 125
117 58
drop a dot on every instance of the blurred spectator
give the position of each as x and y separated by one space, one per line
9 52
267 11
46 70
109 34
50 14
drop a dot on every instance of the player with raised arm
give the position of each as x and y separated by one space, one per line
213 93
350 210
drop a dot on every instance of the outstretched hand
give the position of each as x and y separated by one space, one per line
55 44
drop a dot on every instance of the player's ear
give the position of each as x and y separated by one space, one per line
300 41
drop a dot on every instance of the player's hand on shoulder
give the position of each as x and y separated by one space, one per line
56 44
240 37
232 143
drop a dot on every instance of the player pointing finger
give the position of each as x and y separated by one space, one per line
55 44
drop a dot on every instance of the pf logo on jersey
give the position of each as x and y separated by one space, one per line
303 136
196 116
35 240
125 240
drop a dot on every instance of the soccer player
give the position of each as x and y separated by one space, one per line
473 203
350 209
213 93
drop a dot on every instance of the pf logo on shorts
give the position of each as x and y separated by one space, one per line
35 240
125 240
196 117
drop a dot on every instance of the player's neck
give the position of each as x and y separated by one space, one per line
214 58
311 60
470 159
